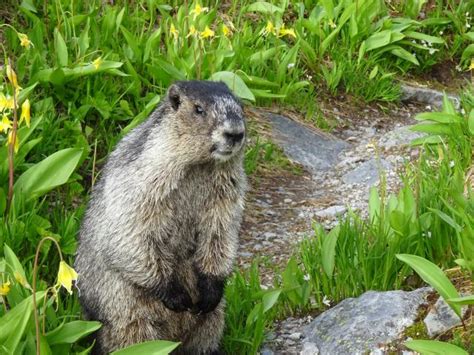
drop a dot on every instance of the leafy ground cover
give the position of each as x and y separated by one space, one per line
76 76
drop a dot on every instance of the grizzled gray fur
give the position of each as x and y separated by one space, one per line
161 231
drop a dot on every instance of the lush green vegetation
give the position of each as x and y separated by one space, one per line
87 72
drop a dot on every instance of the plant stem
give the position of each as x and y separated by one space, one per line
11 148
35 271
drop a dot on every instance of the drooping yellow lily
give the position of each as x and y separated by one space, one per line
173 31
270 28
5 124
97 63
16 147
192 31
4 288
66 275
207 33
11 75
226 30
25 112
471 67
287 31
24 40
198 9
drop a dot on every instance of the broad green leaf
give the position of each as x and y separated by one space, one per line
255 313
462 301
16 316
447 219
434 128
61 49
440 117
71 332
263 7
235 83
404 54
434 276
448 106
424 37
269 299
471 122
374 204
51 172
328 250
467 53
262 56
378 40
150 43
373 72
156 347
434 347
15 266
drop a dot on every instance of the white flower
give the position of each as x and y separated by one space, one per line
291 65
451 164
326 301
306 277
441 32
432 50
458 68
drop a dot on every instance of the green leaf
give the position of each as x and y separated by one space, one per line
378 40
440 117
156 347
328 250
434 276
447 219
150 43
263 7
11 321
235 83
434 128
374 204
467 53
51 172
61 49
434 347
14 264
71 332
462 301
424 37
404 54
471 122
269 299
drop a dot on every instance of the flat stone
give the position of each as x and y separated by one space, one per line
311 148
367 173
364 324
399 137
441 318
331 212
266 351
427 96
309 349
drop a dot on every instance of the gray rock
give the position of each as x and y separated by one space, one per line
399 137
315 150
295 336
367 173
364 324
426 96
266 351
309 349
331 212
441 318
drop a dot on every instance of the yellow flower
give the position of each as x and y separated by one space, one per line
18 277
97 63
9 102
66 275
25 112
5 124
270 28
287 32
226 30
3 102
331 23
192 31
173 31
4 288
12 76
207 33
471 67
24 40
198 9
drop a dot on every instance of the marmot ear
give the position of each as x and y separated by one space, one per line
174 96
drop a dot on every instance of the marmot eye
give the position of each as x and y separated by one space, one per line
199 110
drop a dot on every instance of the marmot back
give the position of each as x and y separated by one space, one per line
161 230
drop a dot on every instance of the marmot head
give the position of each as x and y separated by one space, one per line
208 117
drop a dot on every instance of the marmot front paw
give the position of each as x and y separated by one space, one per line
176 298
211 290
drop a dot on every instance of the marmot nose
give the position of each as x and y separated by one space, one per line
234 137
